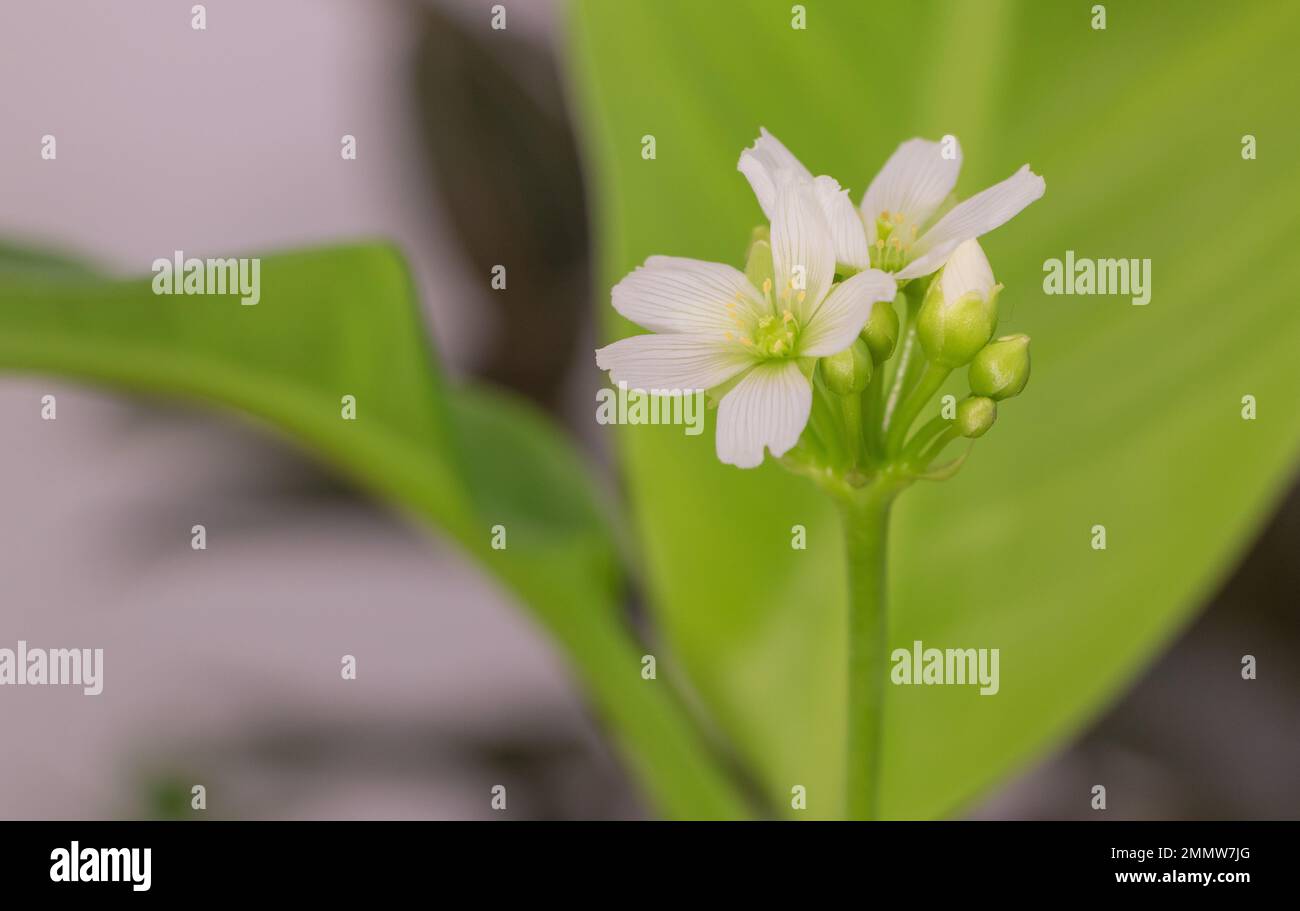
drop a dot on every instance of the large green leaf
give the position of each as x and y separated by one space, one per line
1132 419
344 322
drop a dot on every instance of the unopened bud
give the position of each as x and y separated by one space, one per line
850 370
881 330
1001 369
758 261
960 309
976 415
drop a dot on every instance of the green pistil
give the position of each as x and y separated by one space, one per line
894 238
776 336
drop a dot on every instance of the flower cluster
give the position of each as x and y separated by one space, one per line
804 351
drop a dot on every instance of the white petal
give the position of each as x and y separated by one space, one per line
673 294
762 162
914 181
769 407
973 217
967 270
847 231
672 362
803 254
844 312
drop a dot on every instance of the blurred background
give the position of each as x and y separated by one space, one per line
221 669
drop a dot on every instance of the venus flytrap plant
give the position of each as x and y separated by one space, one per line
806 356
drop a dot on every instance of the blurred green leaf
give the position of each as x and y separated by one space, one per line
51 263
344 322
1132 418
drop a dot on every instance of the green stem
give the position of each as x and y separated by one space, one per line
826 422
929 430
851 408
904 374
865 514
907 344
922 462
872 404
930 383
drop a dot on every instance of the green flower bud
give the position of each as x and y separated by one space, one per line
960 310
850 370
881 330
975 416
1001 369
758 262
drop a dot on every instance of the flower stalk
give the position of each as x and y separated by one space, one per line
865 516
805 357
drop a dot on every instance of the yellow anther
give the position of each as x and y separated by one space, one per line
767 287
728 336
801 296
746 340
786 316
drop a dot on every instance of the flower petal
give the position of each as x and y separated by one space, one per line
803 254
769 407
762 162
844 312
973 217
672 362
674 294
848 234
914 182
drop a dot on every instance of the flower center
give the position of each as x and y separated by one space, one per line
775 337
894 238
775 333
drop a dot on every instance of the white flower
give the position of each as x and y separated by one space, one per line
711 326
894 218
763 164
